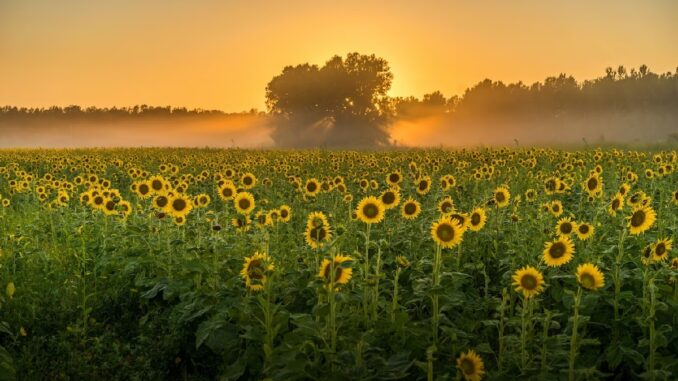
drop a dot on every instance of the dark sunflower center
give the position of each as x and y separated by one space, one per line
566 228
445 232
284 213
394 177
179 204
475 218
311 187
161 201
556 208
370 211
143 189
615 204
247 180
156 185
557 250
467 366
592 183
500 196
638 218
660 249
587 280
244 203
410 208
227 192
423 185
388 198
583 229
528 282
255 271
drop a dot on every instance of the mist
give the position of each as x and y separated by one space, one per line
245 131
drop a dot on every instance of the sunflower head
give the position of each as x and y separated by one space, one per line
390 198
471 366
642 219
337 271
502 196
529 281
584 230
410 209
370 210
244 202
558 252
255 271
447 233
477 219
661 249
590 277
565 226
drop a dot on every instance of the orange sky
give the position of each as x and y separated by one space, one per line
221 54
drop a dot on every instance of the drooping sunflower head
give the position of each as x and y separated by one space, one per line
318 230
410 209
565 226
337 271
616 204
370 210
642 219
558 252
447 233
590 277
255 271
584 230
477 219
471 366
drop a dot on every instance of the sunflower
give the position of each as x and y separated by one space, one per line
471 366
179 206
565 226
158 184
318 230
642 219
502 196
660 250
446 206
590 277
529 281
675 198
593 184
394 178
390 198
584 231
241 223
143 189
446 232
285 213
530 195
312 187
556 208
340 265
255 271
410 209
244 202
179 220
551 185
370 210
616 204
227 191
558 252
477 219
160 202
248 180
461 218
423 185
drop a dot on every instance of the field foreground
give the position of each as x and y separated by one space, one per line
153 264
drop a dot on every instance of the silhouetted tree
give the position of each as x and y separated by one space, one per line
341 104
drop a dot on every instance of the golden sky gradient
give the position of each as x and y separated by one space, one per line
221 54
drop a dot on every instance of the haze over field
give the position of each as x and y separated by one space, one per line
223 55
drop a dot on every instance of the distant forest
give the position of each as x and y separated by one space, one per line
633 105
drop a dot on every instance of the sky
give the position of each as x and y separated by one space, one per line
221 54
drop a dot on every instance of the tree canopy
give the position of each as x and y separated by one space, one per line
344 103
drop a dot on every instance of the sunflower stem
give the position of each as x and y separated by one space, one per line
375 300
394 302
573 339
366 268
523 332
436 282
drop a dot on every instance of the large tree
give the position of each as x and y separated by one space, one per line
341 104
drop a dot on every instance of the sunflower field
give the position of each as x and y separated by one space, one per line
204 264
